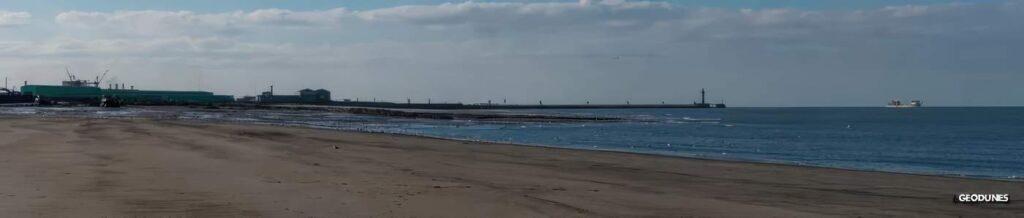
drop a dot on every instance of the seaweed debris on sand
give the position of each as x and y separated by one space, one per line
445 115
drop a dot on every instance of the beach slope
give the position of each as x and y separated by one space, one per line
67 167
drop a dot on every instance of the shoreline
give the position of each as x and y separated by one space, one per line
696 158
699 158
508 143
143 166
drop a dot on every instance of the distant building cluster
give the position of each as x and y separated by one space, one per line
305 96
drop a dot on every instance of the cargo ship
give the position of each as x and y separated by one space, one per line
76 91
8 96
898 104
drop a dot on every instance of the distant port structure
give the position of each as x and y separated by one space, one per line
78 91
323 97
305 96
8 96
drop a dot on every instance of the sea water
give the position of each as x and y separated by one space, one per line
985 142
973 142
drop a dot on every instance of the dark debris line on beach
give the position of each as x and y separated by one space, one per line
445 115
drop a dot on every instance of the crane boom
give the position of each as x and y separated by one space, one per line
68 71
98 80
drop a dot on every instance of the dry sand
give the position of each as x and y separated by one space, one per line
67 167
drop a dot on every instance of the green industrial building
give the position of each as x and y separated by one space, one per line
92 95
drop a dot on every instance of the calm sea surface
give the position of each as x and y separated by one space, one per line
971 142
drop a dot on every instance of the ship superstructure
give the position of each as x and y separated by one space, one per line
900 104
8 96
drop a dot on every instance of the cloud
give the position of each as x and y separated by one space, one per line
610 18
160 47
179 23
10 18
188 18
607 51
629 27
526 17
512 16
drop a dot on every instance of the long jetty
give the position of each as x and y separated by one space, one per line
449 106
540 105
442 115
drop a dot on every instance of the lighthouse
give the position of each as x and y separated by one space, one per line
702 97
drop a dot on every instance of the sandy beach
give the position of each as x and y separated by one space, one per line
71 167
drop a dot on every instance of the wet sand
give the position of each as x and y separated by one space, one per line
68 167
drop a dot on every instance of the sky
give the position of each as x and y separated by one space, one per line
746 53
